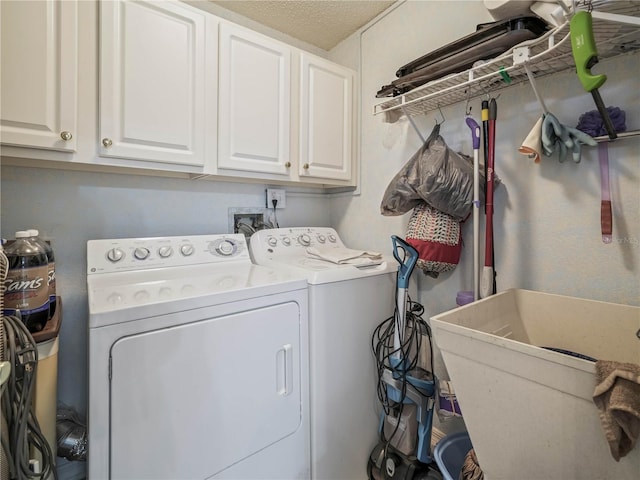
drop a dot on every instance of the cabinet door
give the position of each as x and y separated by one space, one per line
154 73
39 74
254 101
326 119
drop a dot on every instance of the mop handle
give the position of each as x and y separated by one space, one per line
488 277
488 248
488 252
475 132
475 136
485 138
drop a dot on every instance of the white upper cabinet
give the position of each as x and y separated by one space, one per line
39 74
174 89
157 82
254 102
326 120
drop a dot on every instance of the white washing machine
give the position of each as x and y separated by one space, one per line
198 362
346 303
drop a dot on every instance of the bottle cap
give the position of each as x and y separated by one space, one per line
22 234
33 232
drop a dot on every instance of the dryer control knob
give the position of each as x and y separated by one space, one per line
304 239
187 250
332 238
322 238
141 253
225 248
165 252
272 241
115 255
286 241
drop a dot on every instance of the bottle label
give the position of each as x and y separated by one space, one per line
52 281
27 290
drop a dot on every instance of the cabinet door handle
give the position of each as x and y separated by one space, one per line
66 136
287 165
107 142
305 166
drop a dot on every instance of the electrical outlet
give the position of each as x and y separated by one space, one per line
276 194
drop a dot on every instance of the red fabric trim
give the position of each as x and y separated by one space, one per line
436 252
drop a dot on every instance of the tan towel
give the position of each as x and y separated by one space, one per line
532 145
344 256
617 396
471 468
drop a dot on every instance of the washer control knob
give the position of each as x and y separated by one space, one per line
187 250
165 252
115 255
272 241
286 241
165 292
141 253
304 239
322 238
332 238
141 296
225 248
114 299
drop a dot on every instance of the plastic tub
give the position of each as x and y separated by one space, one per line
529 410
450 453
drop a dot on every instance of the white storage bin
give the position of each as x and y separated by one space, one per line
529 411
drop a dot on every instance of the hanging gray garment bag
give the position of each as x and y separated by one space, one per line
434 174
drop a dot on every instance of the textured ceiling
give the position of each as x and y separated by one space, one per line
323 23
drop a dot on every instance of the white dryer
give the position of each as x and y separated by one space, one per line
346 303
198 362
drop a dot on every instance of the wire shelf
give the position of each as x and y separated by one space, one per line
546 55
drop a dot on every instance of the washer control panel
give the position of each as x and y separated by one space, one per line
290 242
126 254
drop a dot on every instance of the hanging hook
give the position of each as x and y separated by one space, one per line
589 5
467 107
442 115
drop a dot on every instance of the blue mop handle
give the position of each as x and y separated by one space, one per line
407 264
